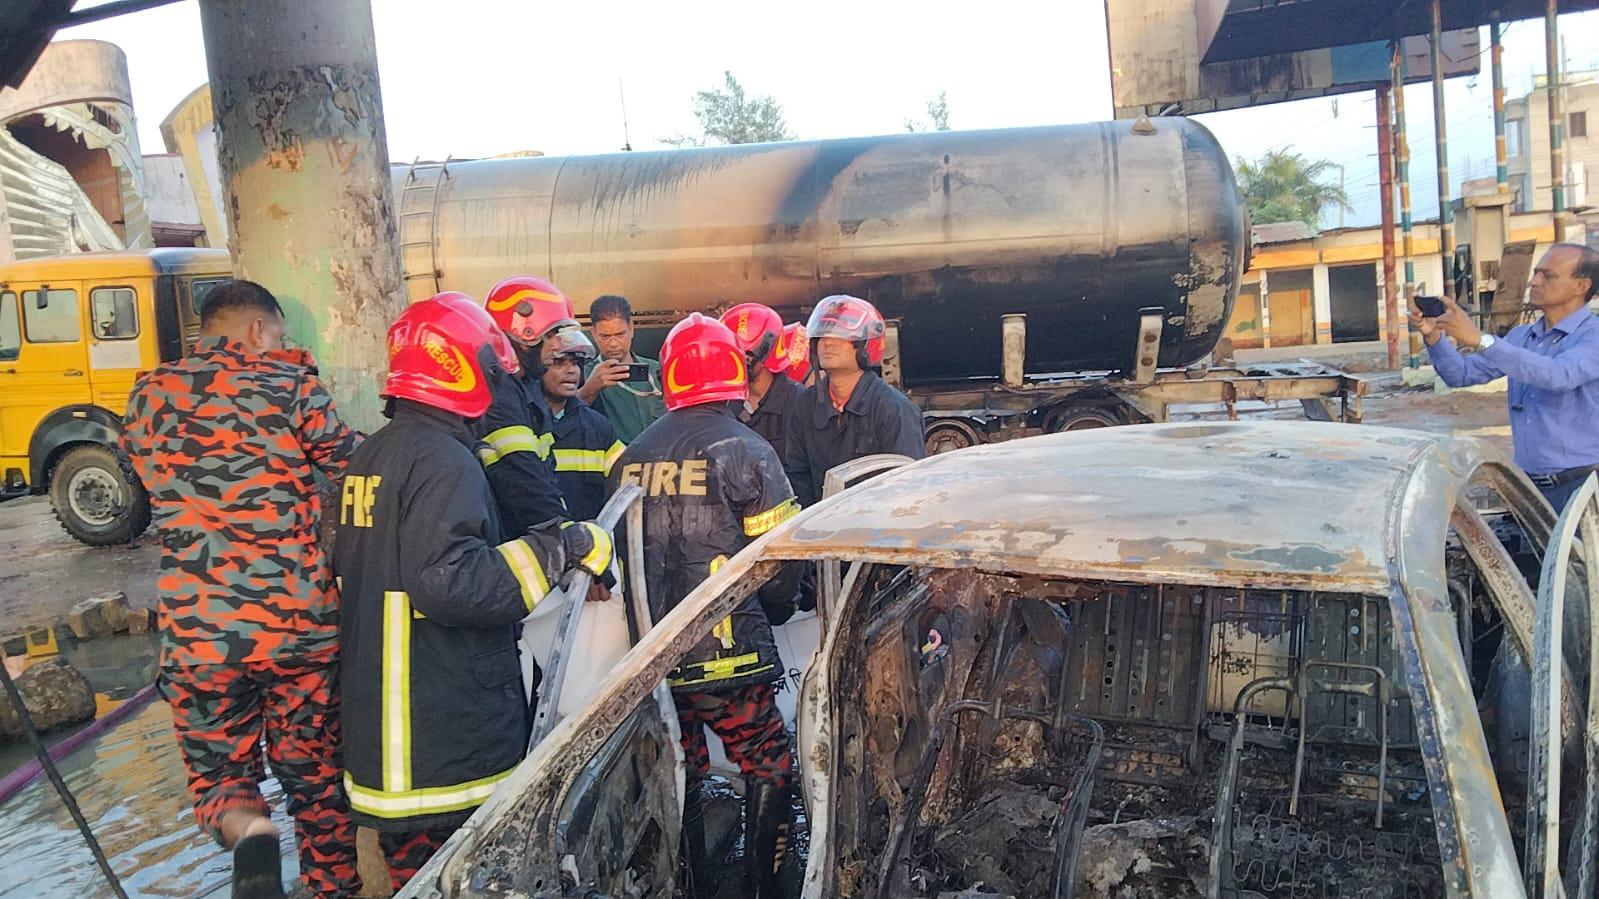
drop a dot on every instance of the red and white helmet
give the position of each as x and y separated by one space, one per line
853 319
439 352
757 328
527 308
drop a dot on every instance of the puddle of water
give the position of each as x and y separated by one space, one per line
131 786
116 667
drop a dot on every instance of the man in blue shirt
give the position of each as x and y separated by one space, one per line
1552 364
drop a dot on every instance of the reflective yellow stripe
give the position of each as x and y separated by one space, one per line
580 460
601 553
529 573
612 454
756 525
720 669
487 455
396 691
518 439
423 801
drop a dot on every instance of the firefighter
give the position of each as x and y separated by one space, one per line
850 411
711 487
433 710
228 442
517 430
797 350
759 332
585 443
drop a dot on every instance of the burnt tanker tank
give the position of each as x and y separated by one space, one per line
1083 228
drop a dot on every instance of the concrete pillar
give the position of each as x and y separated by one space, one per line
1321 303
305 172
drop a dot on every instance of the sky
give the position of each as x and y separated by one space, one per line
479 77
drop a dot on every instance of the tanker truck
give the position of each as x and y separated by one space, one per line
1034 279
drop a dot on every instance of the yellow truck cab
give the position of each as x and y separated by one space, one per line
76 331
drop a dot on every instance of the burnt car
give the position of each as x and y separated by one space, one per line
1209 659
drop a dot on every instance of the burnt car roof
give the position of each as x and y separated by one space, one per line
1259 504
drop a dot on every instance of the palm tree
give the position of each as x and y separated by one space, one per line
1283 186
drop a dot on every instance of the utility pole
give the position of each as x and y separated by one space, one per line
1446 212
1557 120
305 169
1390 274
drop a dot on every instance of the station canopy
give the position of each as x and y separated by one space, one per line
1179 57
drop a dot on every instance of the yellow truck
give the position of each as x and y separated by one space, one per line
76 331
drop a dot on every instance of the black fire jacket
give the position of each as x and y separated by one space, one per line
711 486
876 419
432 706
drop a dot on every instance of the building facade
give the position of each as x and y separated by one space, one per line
1328 288
1527 143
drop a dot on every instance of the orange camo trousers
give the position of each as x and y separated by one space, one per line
222 713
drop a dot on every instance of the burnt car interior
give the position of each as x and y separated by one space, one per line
1004 735
1041 737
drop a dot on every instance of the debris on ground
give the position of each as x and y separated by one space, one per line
56 695
99 616
141 621
993 847
1147 857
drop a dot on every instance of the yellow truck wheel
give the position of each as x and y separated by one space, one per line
96 497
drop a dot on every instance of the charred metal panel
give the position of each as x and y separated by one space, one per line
1138 654
1355 630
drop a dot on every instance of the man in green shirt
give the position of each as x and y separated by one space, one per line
630 405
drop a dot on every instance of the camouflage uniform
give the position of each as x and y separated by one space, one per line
227 444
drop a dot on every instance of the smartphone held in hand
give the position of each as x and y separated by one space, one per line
1431 307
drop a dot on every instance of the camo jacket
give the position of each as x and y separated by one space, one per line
227 444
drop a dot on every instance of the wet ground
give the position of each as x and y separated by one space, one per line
131 788
116 667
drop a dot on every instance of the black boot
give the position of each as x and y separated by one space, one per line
257 868
693 868
766 819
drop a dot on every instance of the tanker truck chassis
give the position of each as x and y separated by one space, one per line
956 416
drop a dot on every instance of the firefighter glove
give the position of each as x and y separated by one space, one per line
587 545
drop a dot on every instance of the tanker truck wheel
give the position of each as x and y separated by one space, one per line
948 436
1084 417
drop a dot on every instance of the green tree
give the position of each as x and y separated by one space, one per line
729 116
937 113
1283 186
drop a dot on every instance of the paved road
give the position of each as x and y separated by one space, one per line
43 572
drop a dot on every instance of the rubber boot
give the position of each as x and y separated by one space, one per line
694 869
258 868
766 819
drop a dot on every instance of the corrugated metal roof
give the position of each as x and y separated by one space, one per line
1280 232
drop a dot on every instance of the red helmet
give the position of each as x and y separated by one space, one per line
701 363
852 319
757 329
506 352
528 308
438 351
796 351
